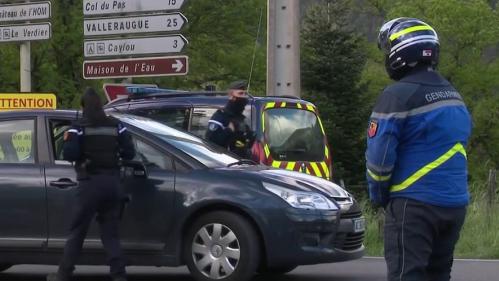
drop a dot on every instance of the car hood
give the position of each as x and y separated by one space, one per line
296 181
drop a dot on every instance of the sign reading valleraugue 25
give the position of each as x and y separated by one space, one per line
100 7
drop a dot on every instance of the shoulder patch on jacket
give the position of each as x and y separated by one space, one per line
373 128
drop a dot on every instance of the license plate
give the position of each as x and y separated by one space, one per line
359 225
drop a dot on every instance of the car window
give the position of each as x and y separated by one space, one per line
294 135
151 157
57 129
174 117
200 118
17 141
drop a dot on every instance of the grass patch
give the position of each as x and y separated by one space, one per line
479 236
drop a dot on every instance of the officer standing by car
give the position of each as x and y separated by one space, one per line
96 145
416 157
227 127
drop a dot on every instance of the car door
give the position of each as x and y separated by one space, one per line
60 179
146 215
23 214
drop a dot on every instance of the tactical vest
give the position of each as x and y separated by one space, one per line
100 147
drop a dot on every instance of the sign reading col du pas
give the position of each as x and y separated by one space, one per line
134 46
134 24
101 7
25 11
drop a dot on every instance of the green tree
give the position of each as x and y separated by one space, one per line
333 58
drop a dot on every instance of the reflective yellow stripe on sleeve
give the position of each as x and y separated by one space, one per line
378 178
409 30
458 148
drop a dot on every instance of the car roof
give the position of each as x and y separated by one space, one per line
198 98
24 113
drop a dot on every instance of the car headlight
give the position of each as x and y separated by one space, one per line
300 199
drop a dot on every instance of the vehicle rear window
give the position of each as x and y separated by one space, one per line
294 135
200 118
174 117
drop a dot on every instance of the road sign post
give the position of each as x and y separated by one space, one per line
110 36
25 32
137 67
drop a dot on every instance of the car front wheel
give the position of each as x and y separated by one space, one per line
4 267
222 246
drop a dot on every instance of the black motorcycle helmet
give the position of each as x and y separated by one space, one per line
406 43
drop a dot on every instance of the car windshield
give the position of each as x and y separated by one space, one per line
294 135
200 150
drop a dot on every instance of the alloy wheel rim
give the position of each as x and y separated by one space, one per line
216 251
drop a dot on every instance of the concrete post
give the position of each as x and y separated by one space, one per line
283 50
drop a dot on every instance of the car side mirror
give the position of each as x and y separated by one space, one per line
135 169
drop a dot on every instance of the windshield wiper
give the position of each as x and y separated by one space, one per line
242 162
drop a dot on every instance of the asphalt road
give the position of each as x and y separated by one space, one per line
372 269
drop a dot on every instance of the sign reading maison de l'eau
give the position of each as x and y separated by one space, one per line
101 7
25 11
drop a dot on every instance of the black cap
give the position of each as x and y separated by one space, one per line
239 85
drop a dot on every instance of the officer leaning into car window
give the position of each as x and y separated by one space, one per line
96 144
416 157
227 127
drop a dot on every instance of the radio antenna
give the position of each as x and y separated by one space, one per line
254 51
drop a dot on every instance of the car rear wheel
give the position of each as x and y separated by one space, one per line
222 246
4 267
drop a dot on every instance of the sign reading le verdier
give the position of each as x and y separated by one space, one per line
101 7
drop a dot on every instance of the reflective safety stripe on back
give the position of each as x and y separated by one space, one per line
458 148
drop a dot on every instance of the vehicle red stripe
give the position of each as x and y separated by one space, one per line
283 165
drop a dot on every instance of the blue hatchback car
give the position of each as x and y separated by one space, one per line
190 204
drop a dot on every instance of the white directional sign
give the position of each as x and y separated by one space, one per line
25 12
25 32
100 7
134 46
134 24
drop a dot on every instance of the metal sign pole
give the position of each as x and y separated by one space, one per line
25 65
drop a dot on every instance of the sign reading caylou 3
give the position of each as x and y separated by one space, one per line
112 36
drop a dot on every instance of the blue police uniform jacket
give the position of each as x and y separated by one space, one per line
417 136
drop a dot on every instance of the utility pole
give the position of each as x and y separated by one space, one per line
283 49
25 65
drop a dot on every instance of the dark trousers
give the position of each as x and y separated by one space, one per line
420 240
99 195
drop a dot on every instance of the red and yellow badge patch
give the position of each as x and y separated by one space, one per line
373 128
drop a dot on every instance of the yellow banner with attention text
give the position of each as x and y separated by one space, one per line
10 101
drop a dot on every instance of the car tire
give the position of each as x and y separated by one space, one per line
4 267
222 246
280 270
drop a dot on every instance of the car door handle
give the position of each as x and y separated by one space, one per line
63 183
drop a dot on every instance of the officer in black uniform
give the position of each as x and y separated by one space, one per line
227 127
96 145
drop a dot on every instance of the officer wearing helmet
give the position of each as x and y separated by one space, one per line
416 155
96 144
227 127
